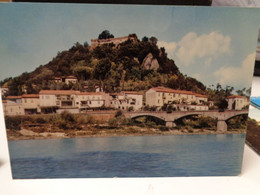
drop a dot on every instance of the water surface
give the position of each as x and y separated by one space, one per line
133 156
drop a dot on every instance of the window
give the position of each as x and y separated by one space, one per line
25 100
32 101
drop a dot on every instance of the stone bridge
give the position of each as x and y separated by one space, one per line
170 118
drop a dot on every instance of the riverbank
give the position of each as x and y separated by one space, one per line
104 131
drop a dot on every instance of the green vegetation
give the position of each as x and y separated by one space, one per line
113 68
197 122
63 121
238 122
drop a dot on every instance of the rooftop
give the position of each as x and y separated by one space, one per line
58 92
30 96
13 97
236 96
169 90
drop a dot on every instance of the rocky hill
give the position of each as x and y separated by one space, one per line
130 65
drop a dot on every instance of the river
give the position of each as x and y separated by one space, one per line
128 156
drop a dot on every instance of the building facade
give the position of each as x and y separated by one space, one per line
236 102
31 103
127 100
116 41
13 106
179 99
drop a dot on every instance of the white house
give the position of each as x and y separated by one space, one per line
13 106
180 99
65 79
90 100
51 100
31 103
236 102
127 100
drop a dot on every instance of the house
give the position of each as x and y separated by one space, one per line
236 102
52 100
31 103
13 106
98 89
179 99
66 79
127 100
90 100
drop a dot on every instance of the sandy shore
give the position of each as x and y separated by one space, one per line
26 134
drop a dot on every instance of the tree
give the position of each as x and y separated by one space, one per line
222 105
105 35
102 68
153 40
145 39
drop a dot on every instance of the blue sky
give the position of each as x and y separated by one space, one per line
211 44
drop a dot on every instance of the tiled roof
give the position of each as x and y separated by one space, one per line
168 90
131 92
30 96
69 77
235 96
13 97
199 95
58 92
89 93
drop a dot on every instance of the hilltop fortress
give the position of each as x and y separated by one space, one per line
116 41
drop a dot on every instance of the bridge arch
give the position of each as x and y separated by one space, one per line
239 114
159 119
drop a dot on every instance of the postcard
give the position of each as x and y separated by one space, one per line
103 91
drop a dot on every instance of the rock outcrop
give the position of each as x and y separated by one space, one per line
150 63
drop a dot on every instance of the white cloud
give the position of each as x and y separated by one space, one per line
192 46
169 47
237 76
208 62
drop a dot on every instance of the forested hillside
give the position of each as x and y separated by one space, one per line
131 65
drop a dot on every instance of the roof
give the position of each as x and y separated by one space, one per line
30 96
236 96
199 95
69 77
131 92
89 93
58 92
13 97
169 90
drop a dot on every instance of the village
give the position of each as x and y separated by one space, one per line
73 101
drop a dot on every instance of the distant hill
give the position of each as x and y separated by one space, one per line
130 65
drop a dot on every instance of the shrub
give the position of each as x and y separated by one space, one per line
13 122
163 128
118 113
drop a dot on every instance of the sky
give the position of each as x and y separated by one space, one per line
211 44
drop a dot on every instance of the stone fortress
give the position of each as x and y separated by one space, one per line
116 41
